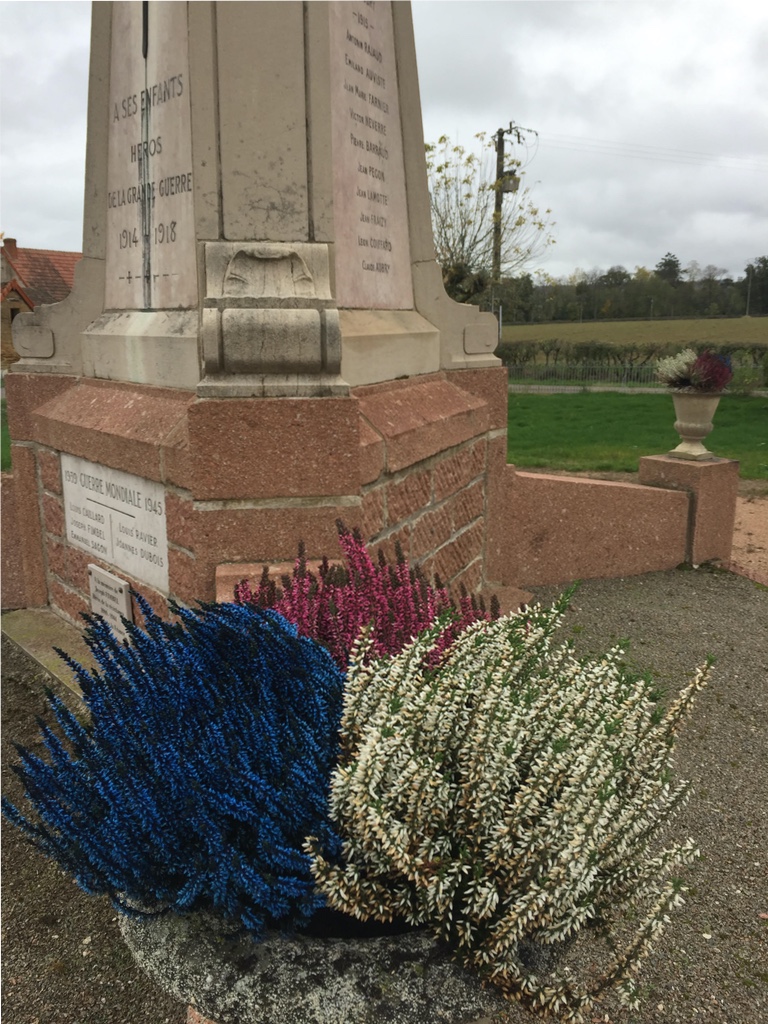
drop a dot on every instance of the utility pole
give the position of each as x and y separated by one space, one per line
506 181
496 269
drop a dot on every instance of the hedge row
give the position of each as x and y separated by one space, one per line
553 351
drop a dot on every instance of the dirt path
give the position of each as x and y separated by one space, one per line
750 538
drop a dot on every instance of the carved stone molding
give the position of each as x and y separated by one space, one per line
269 320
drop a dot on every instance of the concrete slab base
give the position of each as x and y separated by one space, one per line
37 631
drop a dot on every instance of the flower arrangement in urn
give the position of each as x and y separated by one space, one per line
696 383
689 372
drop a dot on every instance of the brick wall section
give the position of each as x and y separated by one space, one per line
428 438
422 450
22 526
50 470
53 515
69 603
373 513
14 591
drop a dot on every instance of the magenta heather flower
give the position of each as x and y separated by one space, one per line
711 372
332 607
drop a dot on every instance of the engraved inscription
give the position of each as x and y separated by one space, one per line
372 247
150 206
117 516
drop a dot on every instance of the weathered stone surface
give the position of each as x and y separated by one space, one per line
405 979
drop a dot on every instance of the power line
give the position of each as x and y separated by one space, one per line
657 154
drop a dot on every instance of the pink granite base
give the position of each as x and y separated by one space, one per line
406 461
713 487
13 592
560 528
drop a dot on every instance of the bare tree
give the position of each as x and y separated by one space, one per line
462 187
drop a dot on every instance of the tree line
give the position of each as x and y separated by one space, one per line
669 290
468 224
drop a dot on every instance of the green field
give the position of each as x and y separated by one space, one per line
743 330
610 431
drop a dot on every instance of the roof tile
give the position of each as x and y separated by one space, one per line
47 275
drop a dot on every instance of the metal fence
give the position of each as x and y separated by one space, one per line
582 374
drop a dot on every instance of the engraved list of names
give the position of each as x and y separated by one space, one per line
373 265
150 206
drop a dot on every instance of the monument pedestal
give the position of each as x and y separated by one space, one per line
243 480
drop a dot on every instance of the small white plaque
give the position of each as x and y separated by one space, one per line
110 598
117 516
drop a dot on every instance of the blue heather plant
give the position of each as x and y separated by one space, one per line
205 764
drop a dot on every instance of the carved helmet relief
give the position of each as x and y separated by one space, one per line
270 271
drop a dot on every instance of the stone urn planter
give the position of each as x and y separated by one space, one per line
694 414
298 979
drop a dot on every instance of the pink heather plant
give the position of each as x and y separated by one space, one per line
396 600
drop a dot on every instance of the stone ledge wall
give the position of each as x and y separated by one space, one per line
568 528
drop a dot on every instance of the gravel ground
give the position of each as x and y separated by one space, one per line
64 961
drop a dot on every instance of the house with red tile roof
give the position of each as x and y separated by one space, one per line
30 278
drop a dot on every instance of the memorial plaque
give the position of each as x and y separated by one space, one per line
150 208
373 263
110 598
117 516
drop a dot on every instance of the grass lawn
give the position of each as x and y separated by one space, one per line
5 440
611 431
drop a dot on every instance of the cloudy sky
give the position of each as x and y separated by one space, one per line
652 119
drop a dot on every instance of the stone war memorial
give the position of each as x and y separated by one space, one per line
258 342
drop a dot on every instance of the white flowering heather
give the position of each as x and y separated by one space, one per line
675 371
508 799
